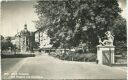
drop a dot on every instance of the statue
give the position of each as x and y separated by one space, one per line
108 41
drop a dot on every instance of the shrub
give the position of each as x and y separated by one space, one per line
121 48
73 56
17 55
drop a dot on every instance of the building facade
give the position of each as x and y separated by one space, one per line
37 36
24 40
42 38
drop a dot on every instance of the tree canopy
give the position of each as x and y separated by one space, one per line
68 22
6 44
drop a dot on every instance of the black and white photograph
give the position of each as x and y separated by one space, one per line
63 40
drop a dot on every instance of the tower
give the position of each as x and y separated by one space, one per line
25 34
25 26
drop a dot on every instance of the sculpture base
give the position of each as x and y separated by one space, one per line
105 54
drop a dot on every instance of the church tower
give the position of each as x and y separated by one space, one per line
25 39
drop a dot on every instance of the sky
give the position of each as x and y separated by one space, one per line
122 4
14 14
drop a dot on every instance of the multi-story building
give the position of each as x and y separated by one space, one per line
42 38
16 40
24 40
37 36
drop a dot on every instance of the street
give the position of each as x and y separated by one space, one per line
51 68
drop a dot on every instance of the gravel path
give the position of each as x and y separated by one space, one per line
47 67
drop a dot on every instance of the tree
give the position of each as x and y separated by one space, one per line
120 35
119 29
6 44
70 22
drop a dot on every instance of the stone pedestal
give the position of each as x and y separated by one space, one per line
105 54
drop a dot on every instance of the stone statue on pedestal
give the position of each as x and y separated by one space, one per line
105 51
108 41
